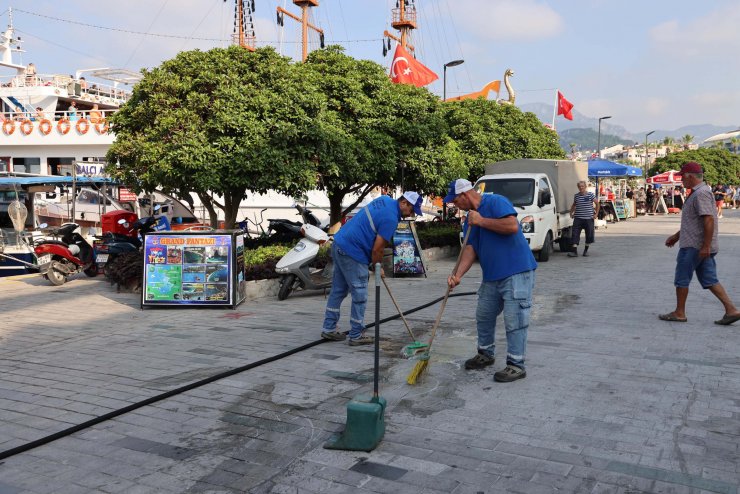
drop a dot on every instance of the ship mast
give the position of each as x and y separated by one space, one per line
303 19
244 34
403 21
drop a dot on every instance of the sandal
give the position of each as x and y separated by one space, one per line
673 318
727 320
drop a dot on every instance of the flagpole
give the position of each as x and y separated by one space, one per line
555 108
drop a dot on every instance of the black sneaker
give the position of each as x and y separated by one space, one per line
585 253
480 361
509 373
572 254
333 336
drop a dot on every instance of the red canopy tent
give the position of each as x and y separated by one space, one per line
671 177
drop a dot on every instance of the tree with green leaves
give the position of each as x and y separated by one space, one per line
686 140
487 132
719 165
224 122
373 132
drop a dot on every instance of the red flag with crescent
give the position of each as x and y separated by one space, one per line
405 69
564 107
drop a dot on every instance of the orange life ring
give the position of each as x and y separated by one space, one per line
63 126
26 126
82 129
9 126
45 126
102 126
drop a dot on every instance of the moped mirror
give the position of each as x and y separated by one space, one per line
43 225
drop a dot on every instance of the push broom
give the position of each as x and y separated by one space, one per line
417 346
423 358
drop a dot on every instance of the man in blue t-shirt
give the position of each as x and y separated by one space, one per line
359 243
508 266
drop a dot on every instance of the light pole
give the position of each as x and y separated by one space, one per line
598 139
646 152
454 63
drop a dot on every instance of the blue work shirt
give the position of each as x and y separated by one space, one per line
357 237
500 256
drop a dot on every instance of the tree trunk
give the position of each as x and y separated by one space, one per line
205 199
335 206
231 209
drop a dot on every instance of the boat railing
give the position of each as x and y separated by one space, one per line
93 116
74 87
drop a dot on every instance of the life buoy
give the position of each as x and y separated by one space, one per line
82 126
63 126
102 126
26 126
8 126
45 126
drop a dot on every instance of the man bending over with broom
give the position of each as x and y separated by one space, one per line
359 243
508 265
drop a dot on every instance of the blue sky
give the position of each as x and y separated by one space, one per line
657 64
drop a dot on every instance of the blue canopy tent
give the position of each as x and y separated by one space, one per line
606 168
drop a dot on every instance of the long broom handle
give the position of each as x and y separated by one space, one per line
449 288
400 313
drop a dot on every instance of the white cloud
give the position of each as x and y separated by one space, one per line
508 19
701 37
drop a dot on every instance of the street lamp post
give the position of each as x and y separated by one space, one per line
598 139
646 152
454 63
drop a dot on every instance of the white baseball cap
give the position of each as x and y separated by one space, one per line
415 200
457 187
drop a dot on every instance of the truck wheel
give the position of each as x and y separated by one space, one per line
565 238
544 254
286 286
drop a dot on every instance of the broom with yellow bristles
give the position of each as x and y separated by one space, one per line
422 359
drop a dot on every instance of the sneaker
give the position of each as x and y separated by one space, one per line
509 373
333 335
362 340
585 254
480 361
572 254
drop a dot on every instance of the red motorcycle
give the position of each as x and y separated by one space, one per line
60 259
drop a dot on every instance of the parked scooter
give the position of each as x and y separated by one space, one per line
60 259
110 245
297 268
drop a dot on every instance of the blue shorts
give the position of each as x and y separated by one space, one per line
688 261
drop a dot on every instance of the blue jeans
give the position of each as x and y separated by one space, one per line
350 276
513 297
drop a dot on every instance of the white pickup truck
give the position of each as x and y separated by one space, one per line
542 192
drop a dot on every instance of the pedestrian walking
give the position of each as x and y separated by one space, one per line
698 246
359 243
508 267
584 210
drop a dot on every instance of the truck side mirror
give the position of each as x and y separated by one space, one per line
545 198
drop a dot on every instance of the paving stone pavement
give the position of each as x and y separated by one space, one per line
615 400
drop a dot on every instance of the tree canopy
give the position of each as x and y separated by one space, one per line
719 165
487 132
373 132
225 121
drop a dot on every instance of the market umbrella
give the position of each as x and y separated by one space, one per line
671 177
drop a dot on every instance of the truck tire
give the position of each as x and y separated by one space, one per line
565 239
544 254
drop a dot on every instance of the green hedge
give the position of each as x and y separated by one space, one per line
260 262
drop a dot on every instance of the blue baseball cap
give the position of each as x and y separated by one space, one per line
457 187
415 199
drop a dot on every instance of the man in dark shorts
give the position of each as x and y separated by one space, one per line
697 248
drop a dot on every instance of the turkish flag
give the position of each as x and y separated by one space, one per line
564 106
405 69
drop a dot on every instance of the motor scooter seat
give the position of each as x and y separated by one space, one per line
55 242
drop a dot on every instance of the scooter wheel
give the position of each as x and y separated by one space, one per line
286 286
92 271
54 275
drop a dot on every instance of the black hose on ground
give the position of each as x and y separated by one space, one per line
134 406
